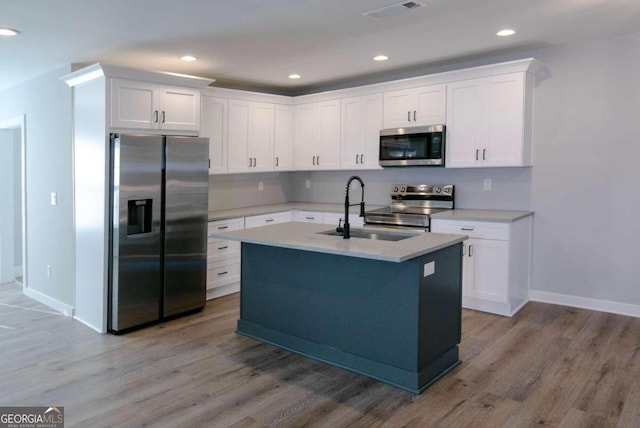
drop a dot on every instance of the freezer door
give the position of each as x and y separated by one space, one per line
186 209
135 244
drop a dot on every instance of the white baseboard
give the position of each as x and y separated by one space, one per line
585 303
54 304
93 327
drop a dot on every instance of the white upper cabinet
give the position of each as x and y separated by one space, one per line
317 135
425 105
361 124
151 106
489 121
283 138
214 127
250 144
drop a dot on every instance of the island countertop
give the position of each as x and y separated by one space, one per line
309 237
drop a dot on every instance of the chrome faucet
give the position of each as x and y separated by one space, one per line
345 229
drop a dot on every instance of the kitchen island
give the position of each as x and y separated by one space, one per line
389 309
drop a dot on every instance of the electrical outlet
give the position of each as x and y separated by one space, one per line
54 198
307 183
260 186
48 271
487 184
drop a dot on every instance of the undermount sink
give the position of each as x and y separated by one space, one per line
366 234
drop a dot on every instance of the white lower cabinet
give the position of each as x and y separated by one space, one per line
496 263
223 259
266 219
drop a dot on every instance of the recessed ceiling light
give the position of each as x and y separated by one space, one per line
8 32
294 76
189 58
380 58
506 32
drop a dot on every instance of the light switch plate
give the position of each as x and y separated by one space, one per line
260 186
429 268
307 183
487 184
54 198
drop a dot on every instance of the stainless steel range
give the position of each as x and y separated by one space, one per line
412 206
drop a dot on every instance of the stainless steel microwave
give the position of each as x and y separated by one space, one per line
418 145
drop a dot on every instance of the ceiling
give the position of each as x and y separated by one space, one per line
258 43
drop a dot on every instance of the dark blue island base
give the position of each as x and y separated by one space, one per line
382 319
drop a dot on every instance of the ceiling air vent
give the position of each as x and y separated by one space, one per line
394 9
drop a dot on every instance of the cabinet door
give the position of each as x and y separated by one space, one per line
464 116
398 107
488 270
214 127
430 105
503 120
261 136
180 108
283 138
134 104
238 146
361 124
306 136
329 152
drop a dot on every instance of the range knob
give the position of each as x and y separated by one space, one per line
403 189
438 189
395 188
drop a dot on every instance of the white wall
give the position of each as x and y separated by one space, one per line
46 101
7 235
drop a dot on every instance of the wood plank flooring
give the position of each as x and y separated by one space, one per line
549 366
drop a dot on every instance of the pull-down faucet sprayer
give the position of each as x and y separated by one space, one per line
346 229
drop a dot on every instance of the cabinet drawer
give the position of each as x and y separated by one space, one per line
219 249
266 219
309 217
475 229
225 225
219 273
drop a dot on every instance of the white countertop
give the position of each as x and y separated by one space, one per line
502 216
306 237
286 206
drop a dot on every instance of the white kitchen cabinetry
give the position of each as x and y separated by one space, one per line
317 136
283 138
496 263
214 127
142 105
424 105
223 259
308 216
266 219
250 145
489 121
361 124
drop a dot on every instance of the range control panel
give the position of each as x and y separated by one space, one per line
421 190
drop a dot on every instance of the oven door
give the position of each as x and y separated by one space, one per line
423 145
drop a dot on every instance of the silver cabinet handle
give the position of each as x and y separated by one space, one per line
361 159
409 116
467 228
255 162
477 151
357 160
318 160
155 116
223 248
470 250
414 115
163 116
250 162
310 218
484 152
269 220
223 273
223 227
314 160
277 161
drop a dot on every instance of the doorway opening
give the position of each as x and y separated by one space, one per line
13 213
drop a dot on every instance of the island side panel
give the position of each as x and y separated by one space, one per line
383 319
440 312
360 306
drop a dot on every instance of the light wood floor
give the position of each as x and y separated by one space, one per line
547 366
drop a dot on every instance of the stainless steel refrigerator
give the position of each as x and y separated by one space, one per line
158 240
